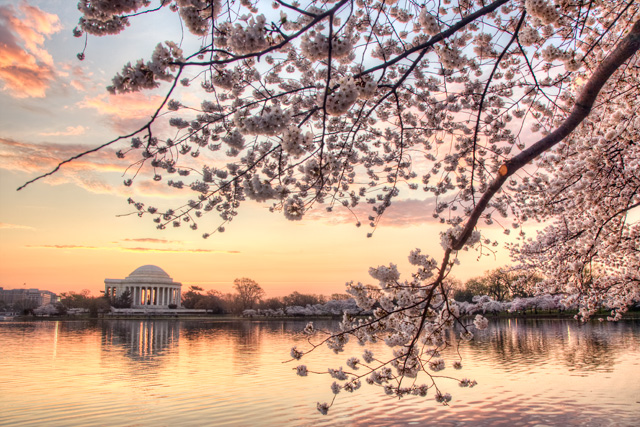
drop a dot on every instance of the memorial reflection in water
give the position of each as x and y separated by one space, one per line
142 339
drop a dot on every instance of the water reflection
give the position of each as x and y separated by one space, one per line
172 372
517 343
141 340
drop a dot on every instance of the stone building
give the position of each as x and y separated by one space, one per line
37 297
150 287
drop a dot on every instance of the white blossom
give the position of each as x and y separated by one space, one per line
358 105
480 322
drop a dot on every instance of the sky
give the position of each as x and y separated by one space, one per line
73 229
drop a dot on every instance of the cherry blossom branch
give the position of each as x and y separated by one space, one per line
146 126
482 98
588 95
438 37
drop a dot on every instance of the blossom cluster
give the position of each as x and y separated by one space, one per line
398 322
295 142
197 14
429 22
134 78
270 121
354 104
339 101
317 46
542 9
244 39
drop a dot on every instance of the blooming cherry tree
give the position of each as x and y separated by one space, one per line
505 111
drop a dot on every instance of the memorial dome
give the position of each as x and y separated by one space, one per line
149 273
149 270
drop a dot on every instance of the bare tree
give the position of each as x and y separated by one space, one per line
249 293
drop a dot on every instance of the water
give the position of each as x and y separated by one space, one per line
169 372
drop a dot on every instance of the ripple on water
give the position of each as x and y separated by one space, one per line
180 373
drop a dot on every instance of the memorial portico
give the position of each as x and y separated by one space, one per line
150 287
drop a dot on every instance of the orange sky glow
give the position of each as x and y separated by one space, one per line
74 229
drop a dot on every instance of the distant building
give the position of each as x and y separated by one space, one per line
39 298
150 287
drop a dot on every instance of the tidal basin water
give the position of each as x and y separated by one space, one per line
174 373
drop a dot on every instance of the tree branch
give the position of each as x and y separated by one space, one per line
625 50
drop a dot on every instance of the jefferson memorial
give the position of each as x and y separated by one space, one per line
150 287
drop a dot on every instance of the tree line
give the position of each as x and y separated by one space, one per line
497 290
247 295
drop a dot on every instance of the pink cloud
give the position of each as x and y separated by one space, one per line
405 213
69 131
401 213
137 249
94 172
26 68
4 225
190 251
42 157
79 77
149 240
126 111
46 23
61 247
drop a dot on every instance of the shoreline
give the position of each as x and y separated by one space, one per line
633 315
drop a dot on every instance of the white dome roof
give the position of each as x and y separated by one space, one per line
149 273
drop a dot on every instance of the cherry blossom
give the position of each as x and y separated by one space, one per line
505 112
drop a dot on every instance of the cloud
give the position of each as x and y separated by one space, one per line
94 172
401 213
79 77
69 131
405 213
26 68
125 111
86 172
135 249
206 251
44 156
4 225
81 80
61 247
149 240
